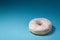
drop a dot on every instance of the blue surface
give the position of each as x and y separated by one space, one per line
15 16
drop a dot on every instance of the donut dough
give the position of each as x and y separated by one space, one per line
40 26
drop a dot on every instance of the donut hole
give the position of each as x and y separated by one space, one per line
39 23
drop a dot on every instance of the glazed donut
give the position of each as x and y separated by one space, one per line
40 26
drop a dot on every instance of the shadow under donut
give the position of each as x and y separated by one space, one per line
50 33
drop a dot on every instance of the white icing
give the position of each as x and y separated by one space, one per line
45 24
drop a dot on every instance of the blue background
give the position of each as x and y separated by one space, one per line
16 14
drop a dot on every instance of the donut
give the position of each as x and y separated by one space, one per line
40 26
